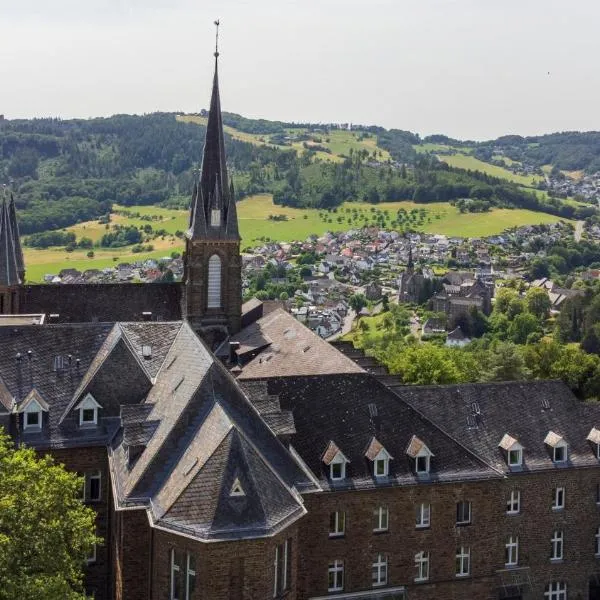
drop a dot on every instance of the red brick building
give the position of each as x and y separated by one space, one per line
273 466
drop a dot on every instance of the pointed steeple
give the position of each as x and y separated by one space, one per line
9 272
213 186
16 238
410 267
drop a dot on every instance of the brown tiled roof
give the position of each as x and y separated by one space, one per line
373 449
553 439
330 453
507 442
290 349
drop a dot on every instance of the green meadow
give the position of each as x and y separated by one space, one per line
255 226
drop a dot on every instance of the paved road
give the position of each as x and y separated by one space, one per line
578 230
346 327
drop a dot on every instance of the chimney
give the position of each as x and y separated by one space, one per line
233 346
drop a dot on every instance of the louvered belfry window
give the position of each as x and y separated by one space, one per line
214 282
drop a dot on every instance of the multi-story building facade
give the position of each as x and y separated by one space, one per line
272 465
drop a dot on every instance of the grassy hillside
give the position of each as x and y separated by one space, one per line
256 226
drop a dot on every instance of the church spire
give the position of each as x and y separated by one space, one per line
12 214
410 267
213 214
9 270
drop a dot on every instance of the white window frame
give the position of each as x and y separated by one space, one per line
33 426
379 570
88 403
561 446
519 457
281 586
512 551
423 515
382 519
597 544
422 565
597 451
383 458
89 477
214 281
175 569
558 502
340 460
189 573
336 569
557 590
513 506
423 455
338 520
463 561
469 520
557 545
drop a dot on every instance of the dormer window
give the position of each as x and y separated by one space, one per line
32 409
236 489
513 451
380 458
418 450
594 438
336 461
558 447
88 411
215 217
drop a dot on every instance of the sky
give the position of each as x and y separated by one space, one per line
470 69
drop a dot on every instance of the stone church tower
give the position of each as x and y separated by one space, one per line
12 266
212 263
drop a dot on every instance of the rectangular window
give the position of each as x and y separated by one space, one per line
422 565
380 570
556 591
91 557
183 575
560 454
381 467
93 486
88 416
337 470
514 458
463 561
598 493
597 544
33 420
337 523
513 506
558 498
336 576
463 513
381 515
423 515
422 464
283 554
556 546
511 555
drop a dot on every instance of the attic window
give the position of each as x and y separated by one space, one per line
421 454
380 458
594 437
558 445
336 461
512 449
147 351
32 408
33 419
88 411
236 489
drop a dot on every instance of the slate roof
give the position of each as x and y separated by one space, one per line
336 407
282 347
104 302
526 410
206 434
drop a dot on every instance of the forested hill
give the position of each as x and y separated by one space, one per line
67 171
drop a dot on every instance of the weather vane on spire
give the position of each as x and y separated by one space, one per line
217 39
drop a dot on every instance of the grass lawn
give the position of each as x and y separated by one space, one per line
462 161
253 215
427 147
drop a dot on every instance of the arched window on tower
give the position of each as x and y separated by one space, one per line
214 282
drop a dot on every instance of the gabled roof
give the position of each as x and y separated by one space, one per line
375 449
554 440
282 346
508 442
33 397
417 447
331 452
594 436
